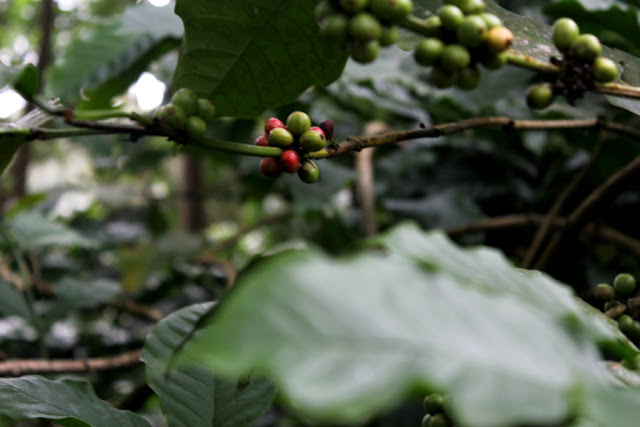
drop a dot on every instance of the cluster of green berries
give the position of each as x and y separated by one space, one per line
362 26
581 66
296 138
186 115
436 416
464 35
621 302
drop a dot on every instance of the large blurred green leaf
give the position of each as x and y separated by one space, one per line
12 302
104 62
249 56
346 339
72 294
189 394
33 230
69 402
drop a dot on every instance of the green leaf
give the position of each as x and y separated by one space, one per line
250 56
33 230
27 82
112 55
347 339
10 141
12 302
189 394
69 402
71 294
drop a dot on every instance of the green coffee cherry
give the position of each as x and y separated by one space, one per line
468 78
425 421
611 304
442 79
187 100
625 322
604 69
586 47
195 127
451 16
472 31
388 36
624 284
171 116
392 10
206 110
434 25
439 420
365 52
472 7
564 34
498 39
604 292
428 51
491 20
309 172
354 6
364 26
311 141
335 27
455 57
433 403
540 96
280 137
298 123
635 329
323 9
494 61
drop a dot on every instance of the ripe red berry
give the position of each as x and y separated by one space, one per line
270 166
272 123
290 161
262 140
318 129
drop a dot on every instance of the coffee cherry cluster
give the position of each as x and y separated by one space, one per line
581 66
436 416
362 26
621 301
296 138
186 115
464 35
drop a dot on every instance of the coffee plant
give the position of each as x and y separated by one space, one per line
459 246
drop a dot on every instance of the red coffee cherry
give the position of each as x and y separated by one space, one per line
271 124
262 140
270 166
290 161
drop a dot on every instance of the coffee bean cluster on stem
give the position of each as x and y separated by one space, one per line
186 116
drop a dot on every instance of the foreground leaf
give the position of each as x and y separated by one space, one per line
189 394
250 56
346 339
69 402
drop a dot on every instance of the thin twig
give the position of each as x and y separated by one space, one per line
543 231
19 367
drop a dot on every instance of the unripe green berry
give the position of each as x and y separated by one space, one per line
335 27
354 6
323 9
187 100
586 47
392 10
635 329
364 26
625 322
442 79
309 172
604 69
564 34
451 16
472 7
439 420
428 51
206 110
171 116
472 31
611 304
311 141
624 284
425 421
491 20
195 127
494 61
298 123
388 36
433 403
468 78
365 52
604 292
540 96
498 39
280 137
455 57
